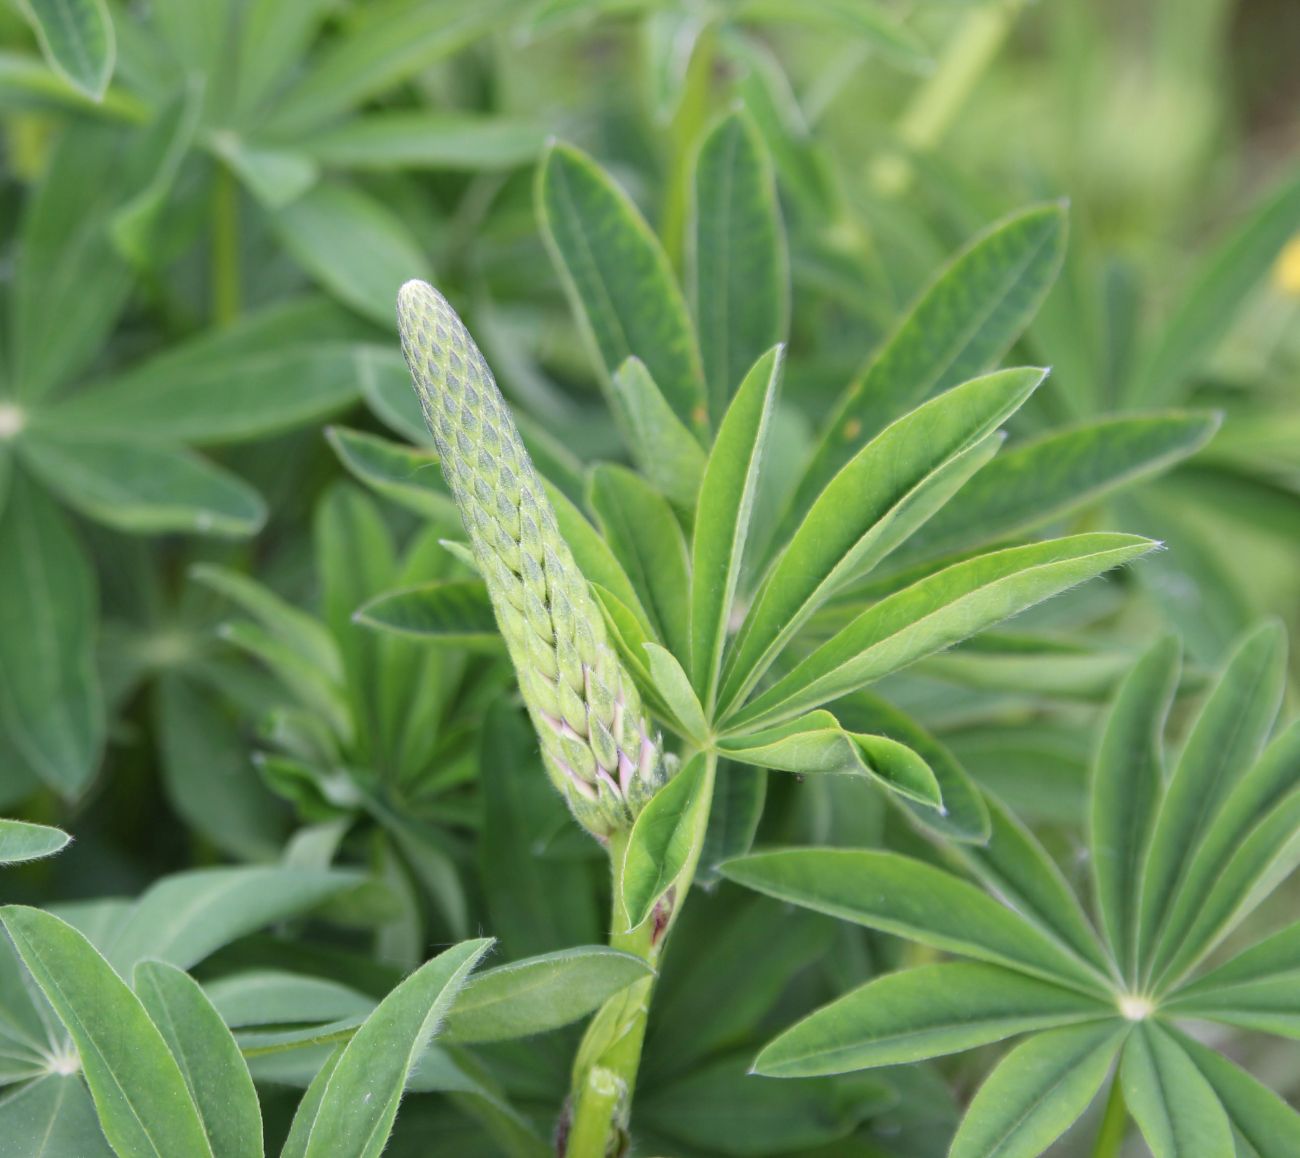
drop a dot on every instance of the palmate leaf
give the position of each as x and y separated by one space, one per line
1270 1127
209 1059
1225 741
935 613
51 704
723 516
962 323
351 1114
738 275
145 1108
456 612
889 487
1038 1091
906 897
354 245
1127 781
647 540
405 474
1048 477
427 140
145 488
52 1117
1170 1099
921 1013
661 445
276 369
618 280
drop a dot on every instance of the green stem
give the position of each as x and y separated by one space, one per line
1114 1124
965 59
605 1070
225 248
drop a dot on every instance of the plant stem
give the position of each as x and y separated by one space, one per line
225 248
605 1070
1114 1123
965 59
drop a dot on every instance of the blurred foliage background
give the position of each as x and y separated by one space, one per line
198 271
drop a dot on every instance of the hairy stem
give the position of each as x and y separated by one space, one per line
605 1071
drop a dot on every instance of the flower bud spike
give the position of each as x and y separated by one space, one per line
597 744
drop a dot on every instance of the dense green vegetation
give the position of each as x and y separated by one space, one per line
649 577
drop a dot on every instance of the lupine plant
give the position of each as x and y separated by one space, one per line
712 718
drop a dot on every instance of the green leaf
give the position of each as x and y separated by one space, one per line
359 1101
1037 1092
274 997
1127 783
1269 962
1051 476
964 816
144 1106
304 678
457 612
1263 860
720 1109
963 322
1216 293
52 1118
536 902
273 36
70 284
187 916
1268 1124
909 898
665 840
390 42
674 688
739 277
275 177
1015 866
618 279
406 474
295 1145
279 369
1176 1108
888 488
644 535
475 142
664 450
210 1061
723 517
77 39
874 24
934 613
20 841
539 994
1224 742
593 556
816 742
305 634
145 488
354 245
920 1013
51 706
